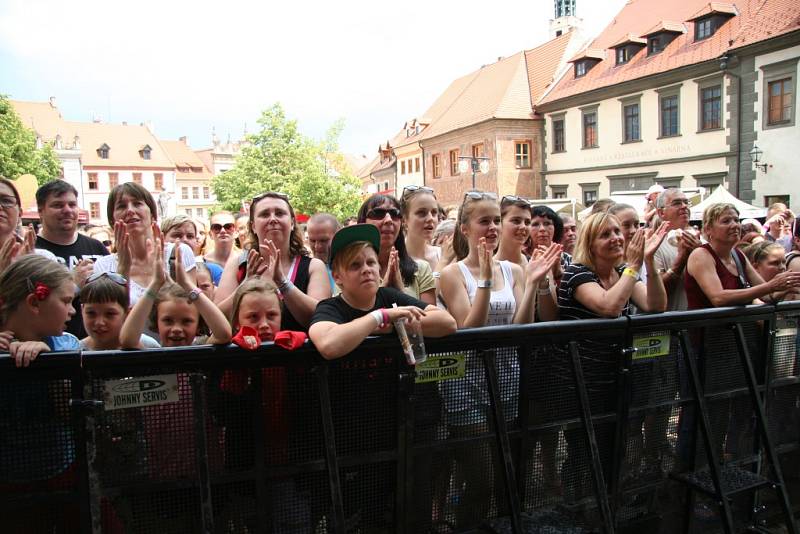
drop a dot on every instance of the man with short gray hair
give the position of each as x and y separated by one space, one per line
674 208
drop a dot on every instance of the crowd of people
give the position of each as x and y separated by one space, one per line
147 284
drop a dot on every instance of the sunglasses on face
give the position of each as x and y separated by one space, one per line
227 226
412 189
380 213
513 199
114 277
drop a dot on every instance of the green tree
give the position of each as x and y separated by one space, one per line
18 152
280 158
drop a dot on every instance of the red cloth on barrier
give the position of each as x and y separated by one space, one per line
290 340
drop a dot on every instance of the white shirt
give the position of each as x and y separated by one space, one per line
109 264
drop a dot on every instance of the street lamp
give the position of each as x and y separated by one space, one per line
477 163
755 155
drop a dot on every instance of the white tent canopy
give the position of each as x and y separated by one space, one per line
720 194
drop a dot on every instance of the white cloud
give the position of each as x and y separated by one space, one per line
190 65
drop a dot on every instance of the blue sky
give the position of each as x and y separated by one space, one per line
188 66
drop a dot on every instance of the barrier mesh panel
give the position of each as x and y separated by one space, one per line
38 465
259 434
651 433
363 396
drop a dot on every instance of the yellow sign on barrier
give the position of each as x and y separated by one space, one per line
651 346
444 367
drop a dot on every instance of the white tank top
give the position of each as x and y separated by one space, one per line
502 304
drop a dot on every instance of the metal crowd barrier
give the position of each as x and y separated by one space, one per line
573 427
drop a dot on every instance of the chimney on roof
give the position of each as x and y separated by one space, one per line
183 140
499 58
97 119
124 123
53 102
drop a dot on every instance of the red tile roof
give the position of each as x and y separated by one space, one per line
589 53
630 39
757 20
665 26
713 8
502 90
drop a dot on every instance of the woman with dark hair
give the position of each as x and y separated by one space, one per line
277 253
398 268
133 213
546 229
515 229
13 243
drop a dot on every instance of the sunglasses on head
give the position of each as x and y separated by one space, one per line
276 194
412 189
479 195
114 277
513 199
216 227
380 213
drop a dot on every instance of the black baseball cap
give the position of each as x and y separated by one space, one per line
353 234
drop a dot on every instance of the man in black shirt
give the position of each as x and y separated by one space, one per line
57 202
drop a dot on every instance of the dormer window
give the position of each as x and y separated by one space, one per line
587 59
661 35
102 152
709 19
654 45
145 152
627 47
703 29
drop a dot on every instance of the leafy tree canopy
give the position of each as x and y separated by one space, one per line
280 158
18 152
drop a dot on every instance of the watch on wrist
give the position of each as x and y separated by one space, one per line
194 294
484 284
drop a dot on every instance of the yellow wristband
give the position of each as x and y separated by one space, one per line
630 272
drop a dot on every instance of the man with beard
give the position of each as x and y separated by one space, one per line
57 202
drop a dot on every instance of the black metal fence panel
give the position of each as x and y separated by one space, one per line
491 432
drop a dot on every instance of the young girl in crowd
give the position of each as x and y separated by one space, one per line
420 216
35 302
515 225
205 280
482 291
177 310
104 307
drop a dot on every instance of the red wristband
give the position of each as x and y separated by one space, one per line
385 316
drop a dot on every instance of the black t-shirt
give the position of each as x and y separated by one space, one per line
336 310
84 248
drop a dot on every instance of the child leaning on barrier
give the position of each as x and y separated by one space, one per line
175 309
36 440
363 308
35 302
104 307
178 311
